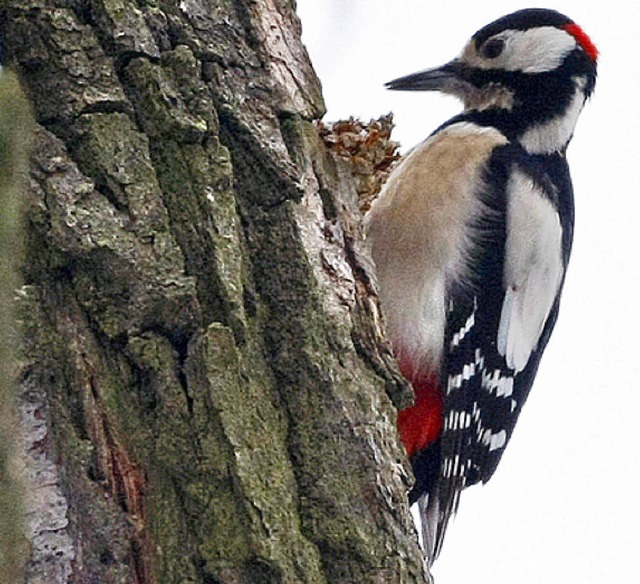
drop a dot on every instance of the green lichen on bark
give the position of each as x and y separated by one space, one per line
177 111
117 157
257 433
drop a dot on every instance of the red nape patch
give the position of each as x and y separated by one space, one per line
583 40
420 425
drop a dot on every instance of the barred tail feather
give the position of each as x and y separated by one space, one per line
434 518
429 507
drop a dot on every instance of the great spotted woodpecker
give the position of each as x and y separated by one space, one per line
471 237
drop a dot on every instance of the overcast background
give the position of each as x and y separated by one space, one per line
563 507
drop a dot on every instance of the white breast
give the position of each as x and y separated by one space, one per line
420 232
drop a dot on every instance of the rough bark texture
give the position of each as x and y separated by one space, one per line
15 129
204 394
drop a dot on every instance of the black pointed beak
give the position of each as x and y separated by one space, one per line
447 78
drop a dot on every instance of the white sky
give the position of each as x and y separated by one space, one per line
564 505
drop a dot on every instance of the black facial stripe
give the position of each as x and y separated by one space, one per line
537 96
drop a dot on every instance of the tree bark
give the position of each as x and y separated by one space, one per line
15 129
204 392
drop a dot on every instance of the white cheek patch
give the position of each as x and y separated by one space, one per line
533 269
530 51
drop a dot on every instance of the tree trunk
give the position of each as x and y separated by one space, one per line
204 393
15 129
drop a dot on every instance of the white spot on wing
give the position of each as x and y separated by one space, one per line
468 325
455 466
494 441
446 467
533 269
469 370
496 382
457 420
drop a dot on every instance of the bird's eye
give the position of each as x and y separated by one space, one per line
492 48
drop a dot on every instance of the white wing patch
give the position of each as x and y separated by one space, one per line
532 272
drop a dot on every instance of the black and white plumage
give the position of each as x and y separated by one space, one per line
471 236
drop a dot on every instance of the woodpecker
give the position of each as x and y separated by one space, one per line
471 237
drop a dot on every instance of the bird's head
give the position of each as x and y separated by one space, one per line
536 64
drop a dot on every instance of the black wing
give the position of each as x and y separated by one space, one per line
483 395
